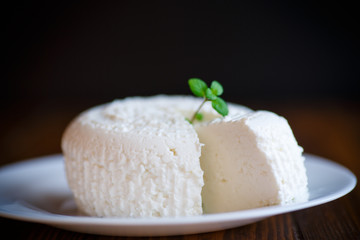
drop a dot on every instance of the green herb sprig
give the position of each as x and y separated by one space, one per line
200 89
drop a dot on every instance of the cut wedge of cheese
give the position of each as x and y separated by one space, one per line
251 161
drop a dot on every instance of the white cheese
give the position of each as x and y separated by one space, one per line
251 161
132 159
139 157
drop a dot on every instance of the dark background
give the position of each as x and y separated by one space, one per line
94 51
298 59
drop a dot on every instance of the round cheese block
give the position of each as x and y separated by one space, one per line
140 157
137 157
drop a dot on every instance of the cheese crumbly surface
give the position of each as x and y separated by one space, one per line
131 159
139 157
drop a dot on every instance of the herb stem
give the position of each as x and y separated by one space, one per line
198 110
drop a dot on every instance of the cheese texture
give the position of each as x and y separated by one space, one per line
251 161
137 157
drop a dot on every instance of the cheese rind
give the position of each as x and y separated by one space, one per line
251 161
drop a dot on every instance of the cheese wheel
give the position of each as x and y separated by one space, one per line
137 157
140 157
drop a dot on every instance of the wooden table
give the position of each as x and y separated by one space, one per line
329 129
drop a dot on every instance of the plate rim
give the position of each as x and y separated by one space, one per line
256 213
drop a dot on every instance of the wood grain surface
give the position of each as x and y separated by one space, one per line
328 129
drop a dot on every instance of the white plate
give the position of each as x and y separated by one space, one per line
36 191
